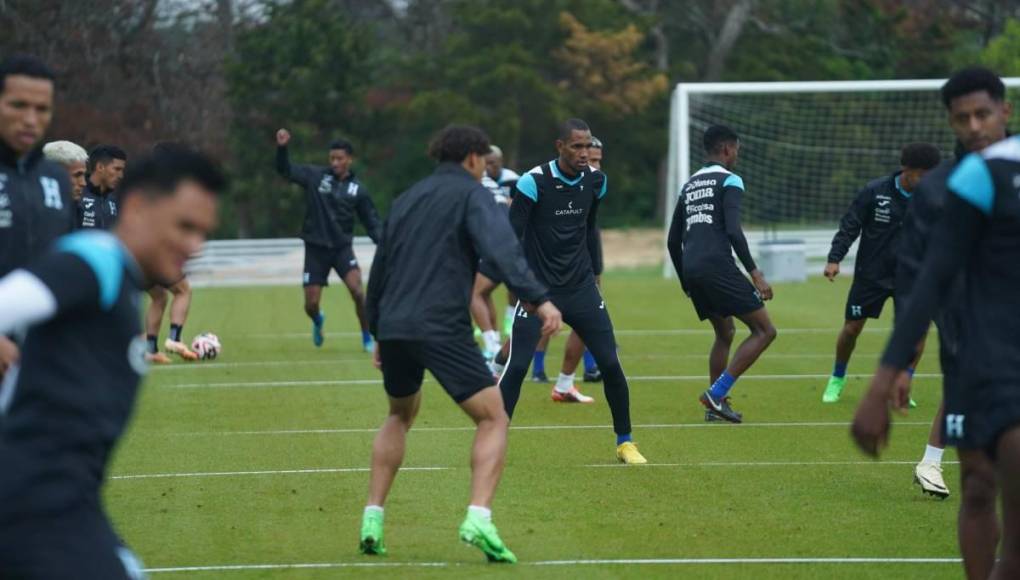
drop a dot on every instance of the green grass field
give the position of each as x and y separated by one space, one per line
259 458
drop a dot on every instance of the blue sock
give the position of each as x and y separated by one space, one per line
839 371
317 320
366 337
910 371
539 365
722 386
589 361
621 439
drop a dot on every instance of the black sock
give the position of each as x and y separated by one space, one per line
152 340
175 332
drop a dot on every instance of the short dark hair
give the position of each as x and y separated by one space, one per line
567 128
342 144
160 172
718 135
105 154
24 65
973 79
920 156
455 142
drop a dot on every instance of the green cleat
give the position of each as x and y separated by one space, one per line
913 403
372 535
834 389
482 534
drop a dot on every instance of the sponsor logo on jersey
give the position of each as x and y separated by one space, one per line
570 210
326 185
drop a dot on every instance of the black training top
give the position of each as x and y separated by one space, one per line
95 209
36 206
68 403
424 269
979 233
706 224
331 203
876 215
555 218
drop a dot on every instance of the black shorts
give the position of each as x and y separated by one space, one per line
866 300
79 544
954 397
722 294
319 260
458 365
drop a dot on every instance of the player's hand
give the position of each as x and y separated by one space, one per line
552 320
870 429
9 354
761 285
376 361
831 271
899 396
282 137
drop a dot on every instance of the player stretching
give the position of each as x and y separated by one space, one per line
418 297
706 224
978 114
876 215
554 214
63 415
978 234
74 158
333 197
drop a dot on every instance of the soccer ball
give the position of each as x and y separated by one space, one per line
206 346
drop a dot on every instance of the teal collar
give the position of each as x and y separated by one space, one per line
902 191
555 166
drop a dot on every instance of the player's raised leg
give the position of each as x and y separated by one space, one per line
716 399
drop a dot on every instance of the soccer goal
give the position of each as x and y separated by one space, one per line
807 147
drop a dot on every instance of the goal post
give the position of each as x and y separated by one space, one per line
806 146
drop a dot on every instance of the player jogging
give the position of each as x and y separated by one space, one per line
876 215
418 295
706 225
978 114
63 415
554 214
334 197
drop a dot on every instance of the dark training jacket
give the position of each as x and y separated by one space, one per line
331 203
424 268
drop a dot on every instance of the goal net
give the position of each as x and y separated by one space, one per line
806 147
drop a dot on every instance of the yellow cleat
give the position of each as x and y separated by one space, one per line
157 358
627 453
180 349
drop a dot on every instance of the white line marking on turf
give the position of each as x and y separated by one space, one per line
626 332
267 472
618 562
339 431
646 378
195 474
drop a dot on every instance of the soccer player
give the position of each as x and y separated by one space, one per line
334 197
74 158
706 225
63 415
565 391
35 194
876 215
97 207
978 115
418 295
979 234
554 214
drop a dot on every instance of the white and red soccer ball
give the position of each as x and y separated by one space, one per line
206 346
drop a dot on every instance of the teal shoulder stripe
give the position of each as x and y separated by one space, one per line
972 181
528 187
605 186
734 180
103 253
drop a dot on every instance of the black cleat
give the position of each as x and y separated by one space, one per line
711 417
721 409
539 377
593 376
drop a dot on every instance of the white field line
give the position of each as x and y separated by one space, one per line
340 431
316 471
617 562
643 378
627 332
366 359
267 472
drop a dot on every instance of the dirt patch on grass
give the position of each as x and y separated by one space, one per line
632 248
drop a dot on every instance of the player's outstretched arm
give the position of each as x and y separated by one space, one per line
295 173
369 216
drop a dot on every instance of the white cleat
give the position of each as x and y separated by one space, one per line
929 477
